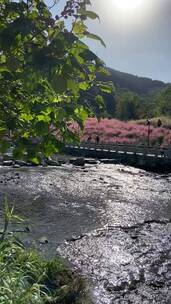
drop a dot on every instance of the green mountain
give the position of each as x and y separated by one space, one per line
139 85
134 97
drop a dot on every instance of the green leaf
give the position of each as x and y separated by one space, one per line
79 28
95 37
73 86
2 58
35 160
106 88
42 128
26 117
84 85
18 153
59 84
4 69
44 118
81 113
2 130
4 146
100 99
90 14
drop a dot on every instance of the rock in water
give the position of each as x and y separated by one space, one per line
43 240
80 161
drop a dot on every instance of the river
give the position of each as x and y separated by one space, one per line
111 222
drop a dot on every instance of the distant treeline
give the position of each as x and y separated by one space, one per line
127 105
134 97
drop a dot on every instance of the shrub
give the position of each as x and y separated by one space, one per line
27 278
116 131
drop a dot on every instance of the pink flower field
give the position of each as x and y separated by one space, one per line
116 131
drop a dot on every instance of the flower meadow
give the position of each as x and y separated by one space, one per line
116 131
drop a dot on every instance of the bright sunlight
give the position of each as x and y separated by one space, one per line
128 4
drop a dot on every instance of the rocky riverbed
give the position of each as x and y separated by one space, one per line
111 222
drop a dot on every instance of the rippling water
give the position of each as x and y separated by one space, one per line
65 201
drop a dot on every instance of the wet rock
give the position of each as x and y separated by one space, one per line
20 163
51 162
8 162
91 161
28 164
25 229
80 161
108 161
121 285
43 240
62 161
134 235
16 166
7 157
75 238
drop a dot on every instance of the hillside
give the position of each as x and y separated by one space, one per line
139 85
134 97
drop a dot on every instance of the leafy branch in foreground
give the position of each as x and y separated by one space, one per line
45 67
26 278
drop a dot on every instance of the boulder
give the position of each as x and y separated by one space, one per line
20 163
91 161
51 162
80 161
16 166
43 240
8 162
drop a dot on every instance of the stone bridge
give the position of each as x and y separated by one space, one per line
152 158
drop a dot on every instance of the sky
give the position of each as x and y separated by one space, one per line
137 34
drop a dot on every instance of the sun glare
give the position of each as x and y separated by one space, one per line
127 4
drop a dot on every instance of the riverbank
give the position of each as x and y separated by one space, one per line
83 156
27 277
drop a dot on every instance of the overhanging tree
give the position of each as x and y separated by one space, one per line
44 69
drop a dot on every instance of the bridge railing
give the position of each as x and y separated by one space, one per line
123 148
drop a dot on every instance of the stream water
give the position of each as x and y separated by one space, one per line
111 222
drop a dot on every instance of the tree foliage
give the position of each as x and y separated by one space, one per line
163 103
44 68
127 106
146 91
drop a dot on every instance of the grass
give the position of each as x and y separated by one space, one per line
166 121
27 278
116 131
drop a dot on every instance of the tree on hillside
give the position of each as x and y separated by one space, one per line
163 103
44 68
127 106
146 106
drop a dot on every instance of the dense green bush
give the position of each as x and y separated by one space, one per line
27 278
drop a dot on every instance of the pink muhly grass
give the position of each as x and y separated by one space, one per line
113 130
